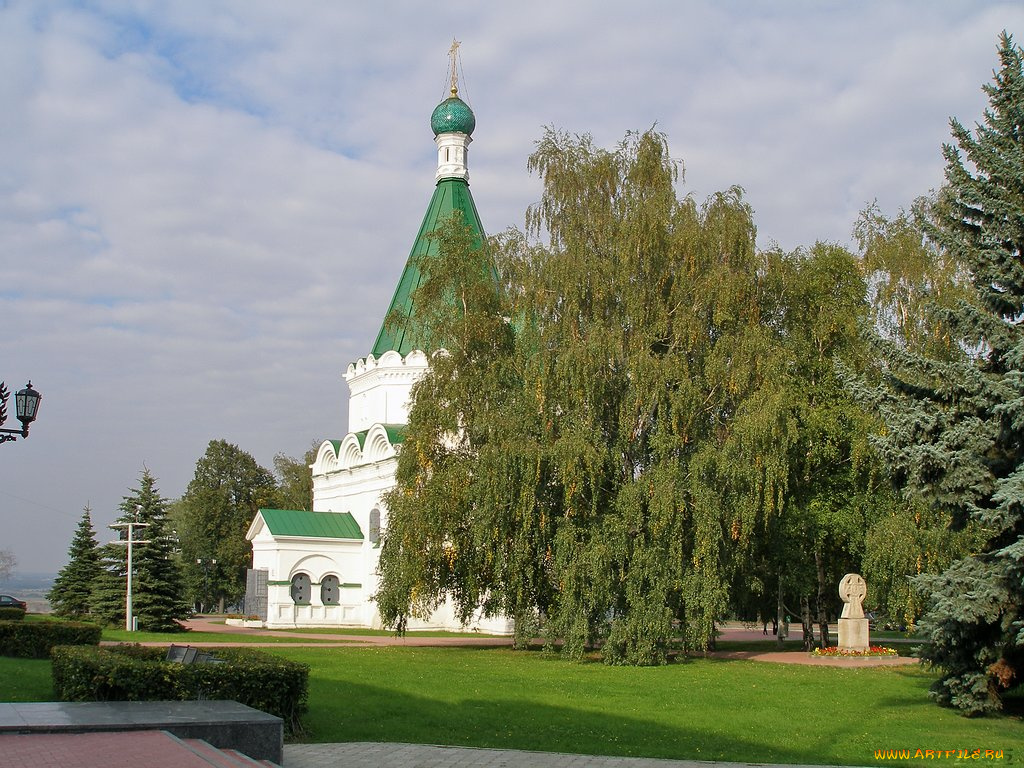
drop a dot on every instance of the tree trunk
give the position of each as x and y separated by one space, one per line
806 623
819 563
780 610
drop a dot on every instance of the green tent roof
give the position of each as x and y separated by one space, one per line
319 525
451 194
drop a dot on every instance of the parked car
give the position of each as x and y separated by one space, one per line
6 601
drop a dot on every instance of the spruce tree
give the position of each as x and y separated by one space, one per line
157 591
107 601
72 590
955 434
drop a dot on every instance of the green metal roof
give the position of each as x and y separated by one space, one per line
395 433
319 525
449 195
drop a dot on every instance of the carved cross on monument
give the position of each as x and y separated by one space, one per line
853 626
853 590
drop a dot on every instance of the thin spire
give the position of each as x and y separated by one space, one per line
453 53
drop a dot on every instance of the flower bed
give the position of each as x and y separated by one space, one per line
833 651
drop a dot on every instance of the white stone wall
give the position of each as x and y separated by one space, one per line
452 155
352 478
379 388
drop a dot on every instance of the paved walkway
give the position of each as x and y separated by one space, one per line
156 749
728 632
373 755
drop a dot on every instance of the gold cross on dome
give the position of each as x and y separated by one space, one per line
452 53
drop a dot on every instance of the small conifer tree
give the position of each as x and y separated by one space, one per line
157 592
72 590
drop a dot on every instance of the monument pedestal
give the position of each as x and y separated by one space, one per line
853 634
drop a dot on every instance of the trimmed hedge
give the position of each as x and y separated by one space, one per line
11 613
35 639
137 673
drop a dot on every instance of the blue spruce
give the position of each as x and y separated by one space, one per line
955 428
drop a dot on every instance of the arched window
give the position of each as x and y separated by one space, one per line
375 526
300 589
329 592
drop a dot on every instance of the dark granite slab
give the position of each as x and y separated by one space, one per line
224 724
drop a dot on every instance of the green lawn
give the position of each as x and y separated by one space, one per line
184 638
704 709
25 679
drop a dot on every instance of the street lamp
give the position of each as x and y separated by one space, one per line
26 406
129 620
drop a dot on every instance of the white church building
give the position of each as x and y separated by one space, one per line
319 568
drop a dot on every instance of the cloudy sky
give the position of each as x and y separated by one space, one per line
205 205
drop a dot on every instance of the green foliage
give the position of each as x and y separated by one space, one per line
295 481
137 673
827 481
156 583
107 600
909 539
913 282
72 590
955 423
12 613
34 639
915 285
212 518
431 550
610 461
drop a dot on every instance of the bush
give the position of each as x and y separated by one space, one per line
35 639
137 673
11 613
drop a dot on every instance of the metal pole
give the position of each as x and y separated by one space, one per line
128 601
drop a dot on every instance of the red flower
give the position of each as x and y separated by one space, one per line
874 650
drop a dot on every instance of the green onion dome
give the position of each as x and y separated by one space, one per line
453 115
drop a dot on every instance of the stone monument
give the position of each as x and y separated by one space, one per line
853 625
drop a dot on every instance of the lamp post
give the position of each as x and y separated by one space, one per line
205 565
129 624
26 407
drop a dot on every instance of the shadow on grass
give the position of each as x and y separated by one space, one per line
371 713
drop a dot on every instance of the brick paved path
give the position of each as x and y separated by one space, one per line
136 749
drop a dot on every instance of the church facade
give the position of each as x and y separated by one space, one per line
319 568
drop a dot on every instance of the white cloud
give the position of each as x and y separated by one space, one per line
204 207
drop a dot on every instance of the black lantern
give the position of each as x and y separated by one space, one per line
26 407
